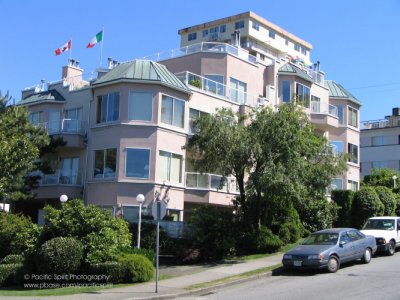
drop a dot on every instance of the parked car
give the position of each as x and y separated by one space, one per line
329 248
386 231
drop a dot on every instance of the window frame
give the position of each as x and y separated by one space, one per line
303 95
239 24
283 91
105 164
255 25
192 36
170 155
350 151
173 111
271 33
100 113
131 105
126 163
350 111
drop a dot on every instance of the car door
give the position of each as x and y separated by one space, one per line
358 244
345 247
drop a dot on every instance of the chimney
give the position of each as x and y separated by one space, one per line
42 85
110 63
72 74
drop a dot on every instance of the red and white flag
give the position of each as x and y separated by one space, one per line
63 48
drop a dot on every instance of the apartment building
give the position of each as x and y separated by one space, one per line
380 143
125 129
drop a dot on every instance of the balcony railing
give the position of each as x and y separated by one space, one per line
203 47
372 124
65 126
220 90
324 108
63 177
211 182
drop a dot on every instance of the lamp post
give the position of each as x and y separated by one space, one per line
394 181
140 200
63 198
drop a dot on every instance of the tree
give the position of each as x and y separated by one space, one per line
285 161
381 177
366 204
20 144
388 198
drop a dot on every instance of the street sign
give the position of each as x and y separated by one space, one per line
163 209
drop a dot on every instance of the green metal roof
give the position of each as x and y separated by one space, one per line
50 95
145 70
289 69
338 91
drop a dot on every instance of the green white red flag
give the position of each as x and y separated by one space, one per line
95 40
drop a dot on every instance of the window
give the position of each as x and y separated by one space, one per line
378 140
303 50
108 108
239 24
192 36
303 95
238 91
379 164
255 25
297 47
73 120
105 162
352 117
315 104
352 150
172 111
286 42
194 114
170 167
286 94
352 185
36 117
214 30
340 110
271 34
222 28
205 32
137 163
130 213
69 170
337 184
337 147
140 106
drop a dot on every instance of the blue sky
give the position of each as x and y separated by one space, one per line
356 41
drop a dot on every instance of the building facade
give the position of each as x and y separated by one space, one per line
125 129
380 143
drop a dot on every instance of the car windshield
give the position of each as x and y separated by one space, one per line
321 239
379 224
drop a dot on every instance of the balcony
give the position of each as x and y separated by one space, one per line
203 47
211 182
324 115
374 124
72 131
220 90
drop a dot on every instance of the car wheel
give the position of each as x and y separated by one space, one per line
391 248
333 264
367 256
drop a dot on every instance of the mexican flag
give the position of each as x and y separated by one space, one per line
95 40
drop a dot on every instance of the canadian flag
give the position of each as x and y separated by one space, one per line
63 48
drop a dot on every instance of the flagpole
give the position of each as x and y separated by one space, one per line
101 49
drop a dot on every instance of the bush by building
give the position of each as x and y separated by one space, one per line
388 198
344 199
366 204
114 271
137 267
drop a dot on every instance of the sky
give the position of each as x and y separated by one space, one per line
356 41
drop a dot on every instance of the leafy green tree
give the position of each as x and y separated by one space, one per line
20 144
276 157
102 236
366 204
388 198
381 177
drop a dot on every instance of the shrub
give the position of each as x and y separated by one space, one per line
284 234
61 255
366 204
295 231
13 259
344 199
115 271
317 214
148 236
10 274
102 235
149 253
212 232
138 267
388 198
267 241
17 234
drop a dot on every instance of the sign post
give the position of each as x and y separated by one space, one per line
158 211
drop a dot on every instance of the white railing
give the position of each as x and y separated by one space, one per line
63 177
220 90
203 47
323 108
372 124
211 182
64 126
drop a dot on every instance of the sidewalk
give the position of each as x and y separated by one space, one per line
185 276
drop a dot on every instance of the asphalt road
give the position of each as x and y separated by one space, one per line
378 280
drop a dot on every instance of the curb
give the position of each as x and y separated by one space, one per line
278 270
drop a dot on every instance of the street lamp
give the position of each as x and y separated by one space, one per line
63 198
394 181
140 200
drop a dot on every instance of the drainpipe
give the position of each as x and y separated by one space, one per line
85 196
